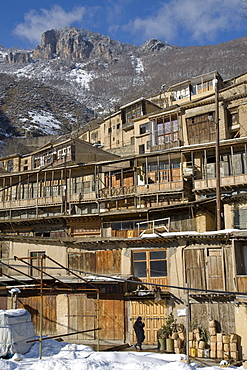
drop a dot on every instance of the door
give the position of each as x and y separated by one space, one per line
82 316
153 315
215 269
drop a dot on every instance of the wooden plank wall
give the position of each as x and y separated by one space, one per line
82 316
3 303
109 261
222 312
32 305
102 262
209 267
195 268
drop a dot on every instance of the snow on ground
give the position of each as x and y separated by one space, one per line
46 121
66 356
82 77
137 64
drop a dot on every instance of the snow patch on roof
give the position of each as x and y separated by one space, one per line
189 233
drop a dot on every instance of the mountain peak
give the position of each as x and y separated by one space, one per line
154 45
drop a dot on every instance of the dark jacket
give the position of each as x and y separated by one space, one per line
138 327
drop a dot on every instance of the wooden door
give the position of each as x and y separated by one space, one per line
215 269
112 319
82 316
195 268
153 315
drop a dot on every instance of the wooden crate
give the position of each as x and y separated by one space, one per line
200 353
213 347
234 355
226 339
220 354
233 347
226 347
213 354
219 337
219 346
213 339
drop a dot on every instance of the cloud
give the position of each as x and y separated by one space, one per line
36 23
201 20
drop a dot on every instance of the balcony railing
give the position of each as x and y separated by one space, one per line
114 192
224 181
23 203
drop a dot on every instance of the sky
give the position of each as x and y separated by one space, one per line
178 22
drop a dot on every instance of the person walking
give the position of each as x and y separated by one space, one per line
139 331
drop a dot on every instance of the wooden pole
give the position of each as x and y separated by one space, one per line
187 325
217 156
41 307
98 322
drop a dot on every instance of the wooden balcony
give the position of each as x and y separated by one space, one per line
164 186
224 182
81 197
26 203
115 192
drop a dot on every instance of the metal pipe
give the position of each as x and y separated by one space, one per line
71 272
62 335
38 269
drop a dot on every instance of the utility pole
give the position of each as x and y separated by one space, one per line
215 120
217 156
187 325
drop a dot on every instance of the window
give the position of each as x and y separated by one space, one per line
36 262
167 129
241 259
240 218
144 128
200 129
141 149
94 135
152 166
10 165
149 264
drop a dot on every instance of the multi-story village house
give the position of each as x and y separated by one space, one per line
123 233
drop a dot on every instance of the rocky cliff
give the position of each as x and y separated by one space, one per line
78 44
